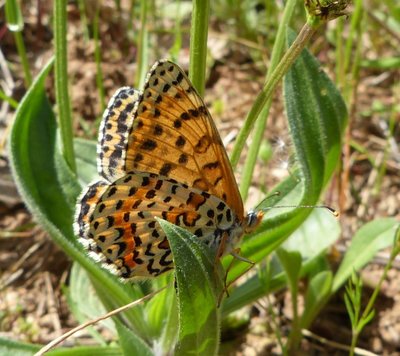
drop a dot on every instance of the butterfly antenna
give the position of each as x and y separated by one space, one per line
331 210
274 194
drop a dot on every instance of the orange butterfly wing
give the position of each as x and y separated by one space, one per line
171 134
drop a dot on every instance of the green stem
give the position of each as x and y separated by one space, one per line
13 103
198 44
353 345
355 24
262 118
339 52
386 152
61 82
176 47
97 56
15 24
142 55
82 14
295 335
262 99
24 60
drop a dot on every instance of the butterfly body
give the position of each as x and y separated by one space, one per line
159 156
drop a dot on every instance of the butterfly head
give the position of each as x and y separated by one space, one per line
240 227
253 219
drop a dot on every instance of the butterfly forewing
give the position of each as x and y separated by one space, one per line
174 135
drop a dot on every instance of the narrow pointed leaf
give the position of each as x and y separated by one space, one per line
130 343
36 163
198 288
366 320
291 262
85 153
49 189
349 308
11 347
367 241
84 302
157 309
318 292
317 118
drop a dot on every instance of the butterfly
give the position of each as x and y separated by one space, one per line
159 155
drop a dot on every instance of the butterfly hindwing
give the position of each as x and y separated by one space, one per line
120 226
113 133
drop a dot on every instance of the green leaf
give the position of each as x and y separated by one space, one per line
317 118
49 190
162 314
314 236
130 343
256 287
157 309
198 284
349 307
291 262
85 154
169 335
11 347
37 164
388 63
367 241
86 351
366 320
85 303
318 292
320 231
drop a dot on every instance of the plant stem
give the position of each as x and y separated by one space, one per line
15 24
177 46
61 82
198 44
349 88
262 99
82 14
339 52
354 29
24 60
97 56
142 52
13 103
386 152
263 116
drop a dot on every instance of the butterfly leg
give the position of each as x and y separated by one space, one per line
220 252
236 255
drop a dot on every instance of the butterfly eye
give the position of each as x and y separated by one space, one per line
253 219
